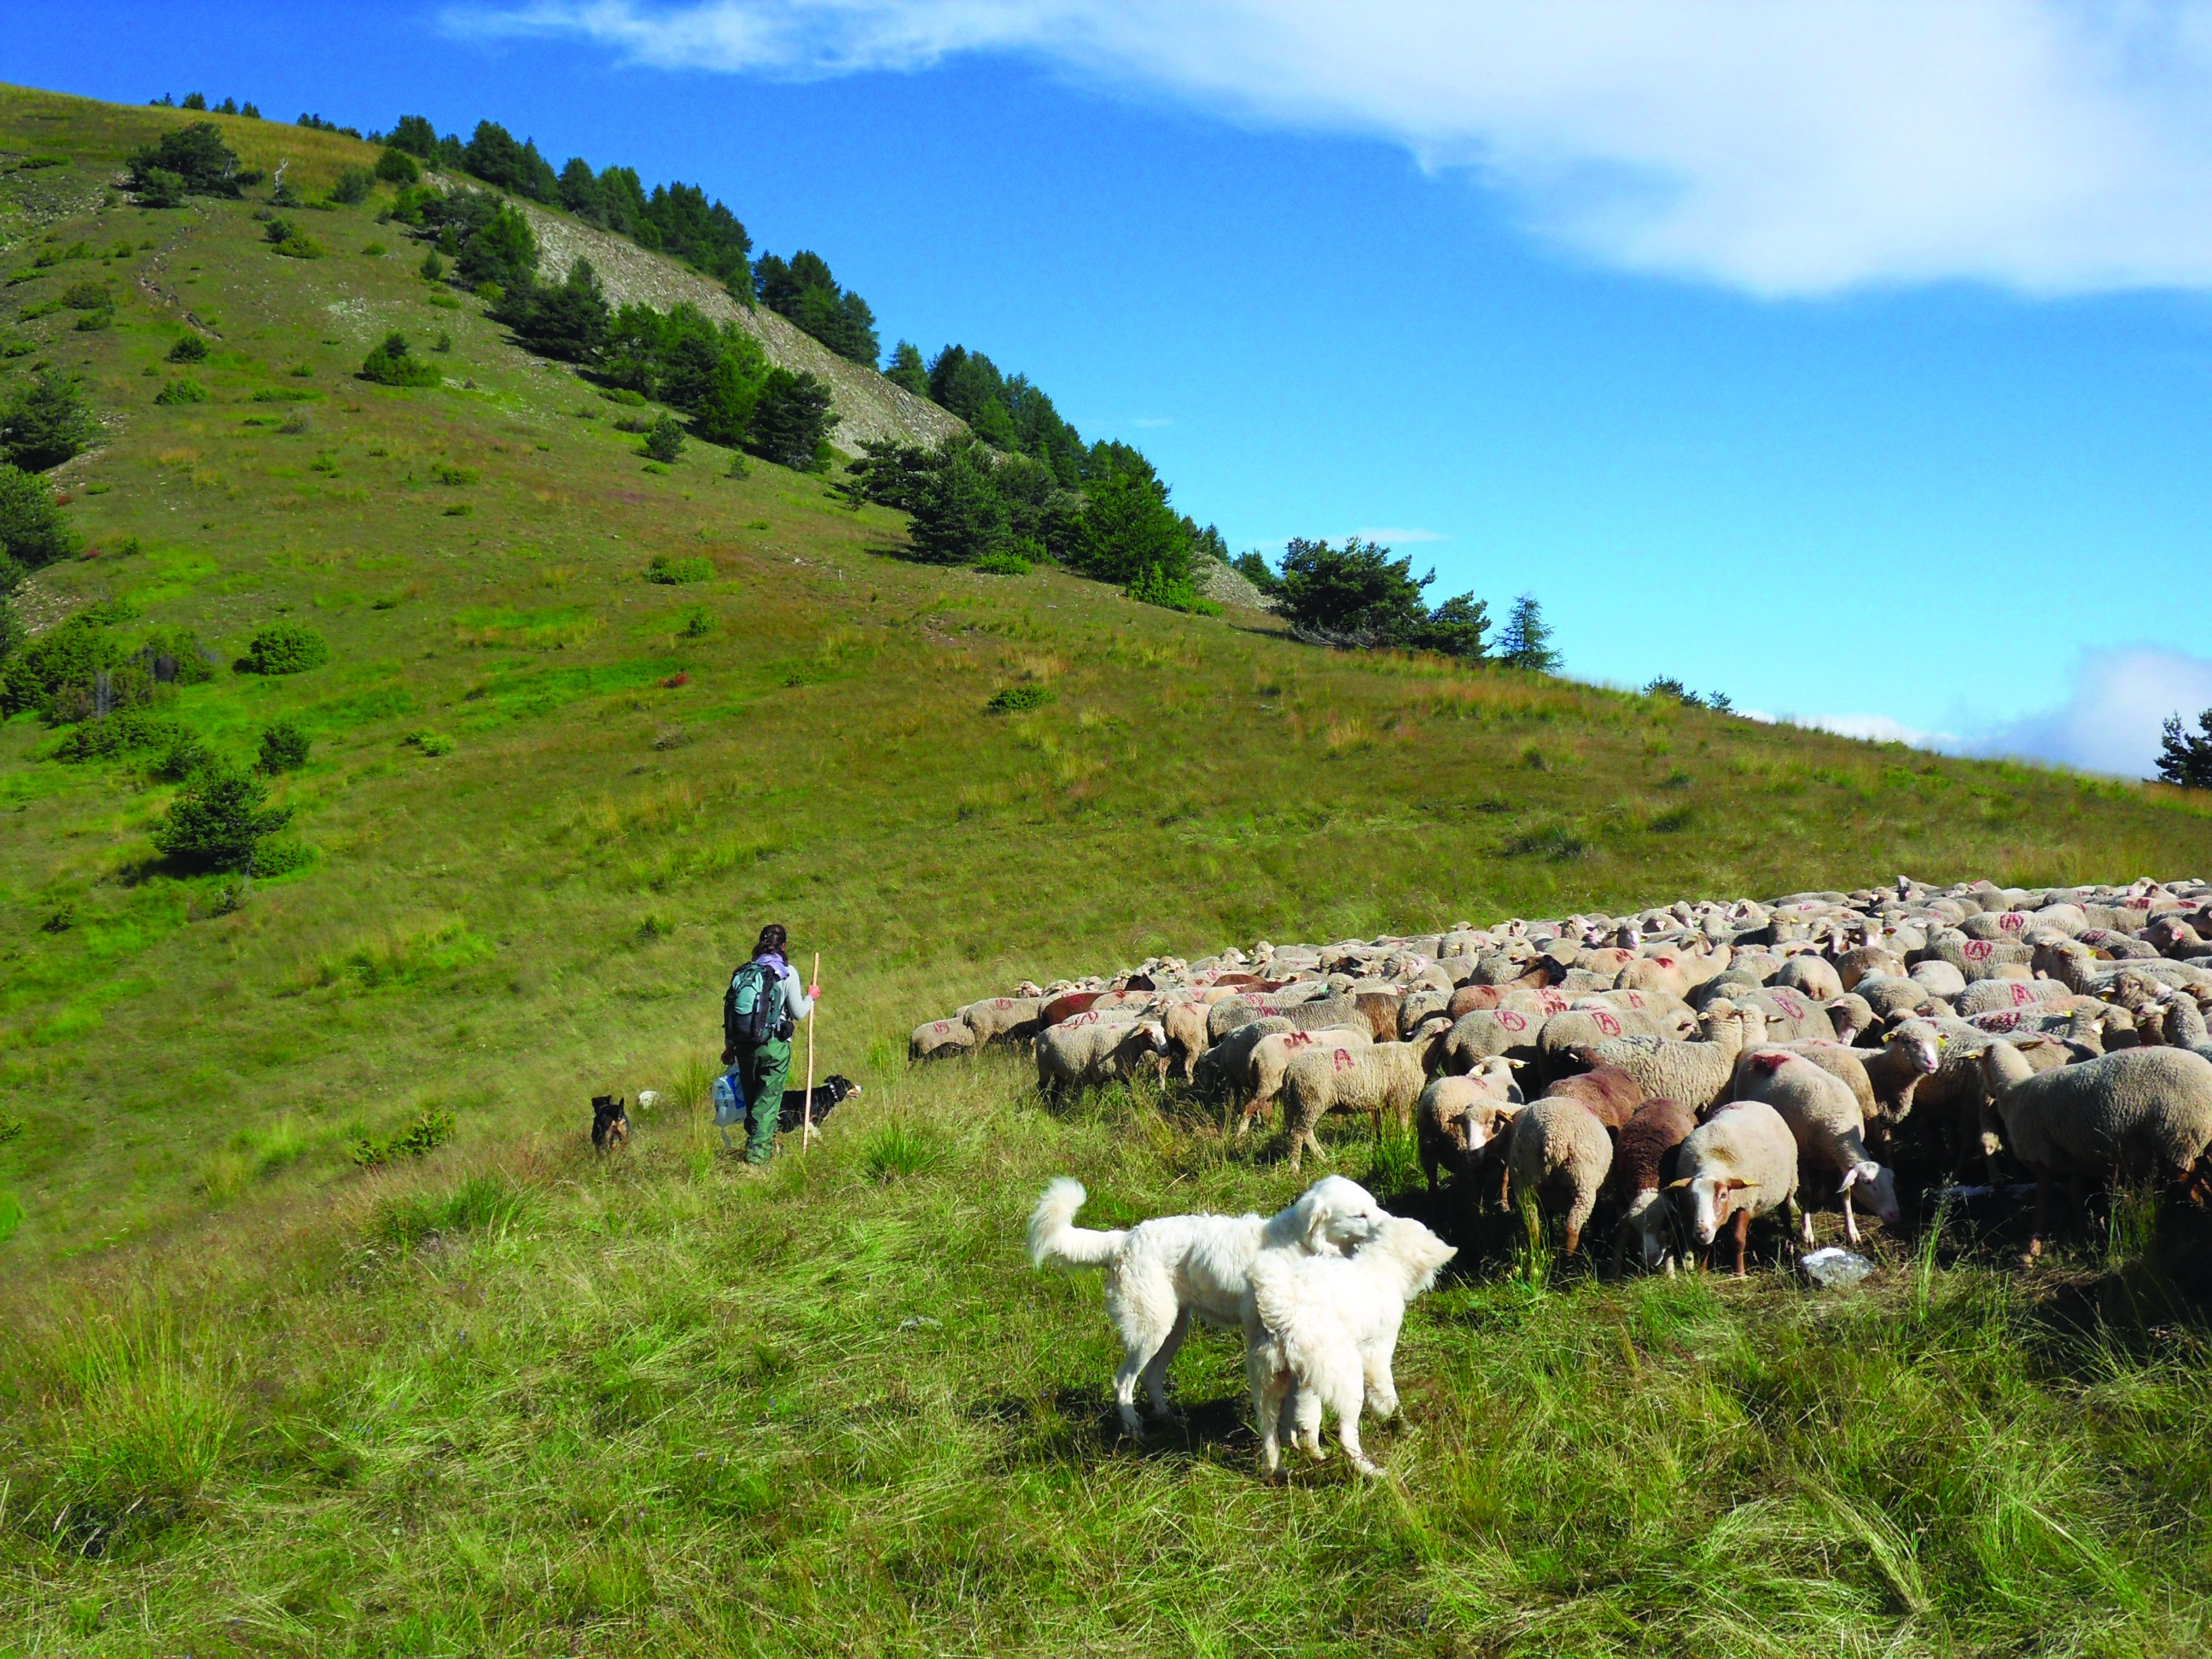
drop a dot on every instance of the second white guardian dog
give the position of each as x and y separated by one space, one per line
1161 1272
1322 1330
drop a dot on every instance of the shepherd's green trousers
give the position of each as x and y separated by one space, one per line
762 1073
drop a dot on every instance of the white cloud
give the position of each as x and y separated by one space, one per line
2110 723
1871 728
1801 148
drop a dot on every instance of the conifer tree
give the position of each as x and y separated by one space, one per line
1526 640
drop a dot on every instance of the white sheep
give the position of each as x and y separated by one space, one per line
1827 1125
941 1039
1559 1156
1458 1119
1074 1057
1740 1163
2143 1112
1270 1058
1385 1077
1696 1073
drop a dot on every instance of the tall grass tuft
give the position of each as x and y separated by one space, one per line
898 1150
148 1430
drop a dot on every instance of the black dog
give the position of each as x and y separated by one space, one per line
826 1097
610 1122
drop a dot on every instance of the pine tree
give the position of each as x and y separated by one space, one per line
1526 641
219 820
793 419
958 515
2184 758
907 370
47 424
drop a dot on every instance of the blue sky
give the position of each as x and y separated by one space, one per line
1852 361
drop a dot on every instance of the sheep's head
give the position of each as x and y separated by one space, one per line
1710 1201
1488 1121
1919 1041
1877 1188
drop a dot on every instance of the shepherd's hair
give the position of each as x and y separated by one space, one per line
1160 1273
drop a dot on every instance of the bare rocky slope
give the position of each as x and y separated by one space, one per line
868 405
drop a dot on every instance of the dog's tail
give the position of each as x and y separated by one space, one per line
1055 1241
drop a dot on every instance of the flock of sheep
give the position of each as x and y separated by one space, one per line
1693 1068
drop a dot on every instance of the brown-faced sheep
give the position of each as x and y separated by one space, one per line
1740 1163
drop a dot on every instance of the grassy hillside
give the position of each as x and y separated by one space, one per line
505 1399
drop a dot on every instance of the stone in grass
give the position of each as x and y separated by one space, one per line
1833 1268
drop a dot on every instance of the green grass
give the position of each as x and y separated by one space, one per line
505 1397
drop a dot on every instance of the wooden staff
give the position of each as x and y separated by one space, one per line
806 1107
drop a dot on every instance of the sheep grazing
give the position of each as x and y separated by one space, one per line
2143 1113
1458 1120
1644 1156
1071 1059
1696 1073
1740 1163
1185 1025
1227 1064
1559 1156
1003 1019
941 1039
1272 1056
1385 1077
1827 1123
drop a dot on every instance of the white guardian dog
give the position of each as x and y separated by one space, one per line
1323 1331
1160 1273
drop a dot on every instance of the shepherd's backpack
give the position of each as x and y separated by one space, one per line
752 1008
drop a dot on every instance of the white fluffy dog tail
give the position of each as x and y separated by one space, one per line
1055 1241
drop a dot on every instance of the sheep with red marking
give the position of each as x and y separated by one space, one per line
1826 1121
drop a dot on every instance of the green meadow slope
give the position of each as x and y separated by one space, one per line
501 1399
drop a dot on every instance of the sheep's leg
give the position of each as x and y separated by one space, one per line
1741 1236
1619 1250
1850 1221
1804 1215
1574 1235
1156 1374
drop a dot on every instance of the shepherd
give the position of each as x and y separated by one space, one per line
759 1012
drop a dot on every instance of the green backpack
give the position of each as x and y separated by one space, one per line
752 1008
